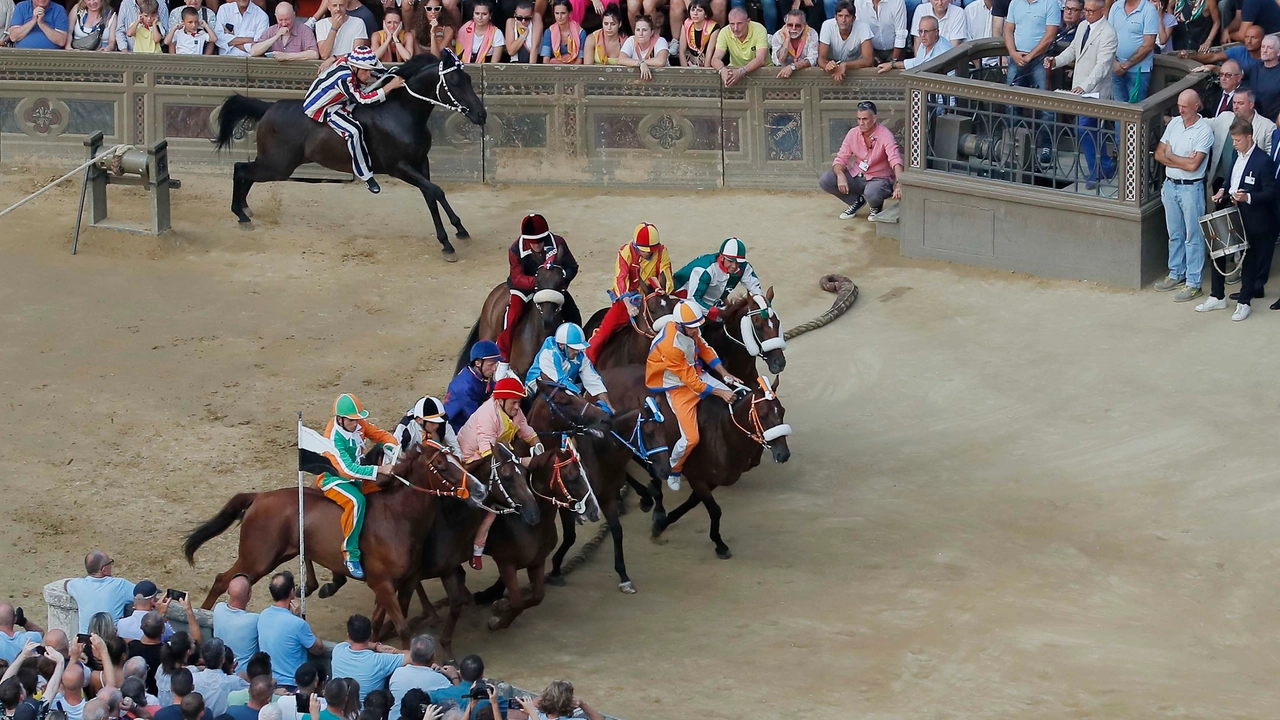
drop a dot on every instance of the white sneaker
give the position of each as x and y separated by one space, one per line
1211 304
1242 312
673 481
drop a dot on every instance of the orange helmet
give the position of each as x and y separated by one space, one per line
645 236
509 387
688 314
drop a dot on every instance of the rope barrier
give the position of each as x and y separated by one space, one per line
846 294
118 150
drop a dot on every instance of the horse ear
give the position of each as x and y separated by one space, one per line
768 295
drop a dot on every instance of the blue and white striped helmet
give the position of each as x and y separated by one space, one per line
571 335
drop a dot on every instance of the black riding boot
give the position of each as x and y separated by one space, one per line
374 187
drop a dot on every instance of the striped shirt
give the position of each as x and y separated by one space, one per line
337 86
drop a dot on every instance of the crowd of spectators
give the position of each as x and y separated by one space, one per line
127 663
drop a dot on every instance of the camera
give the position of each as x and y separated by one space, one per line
480 690
38 650
19 618
175 594
304 703
83 639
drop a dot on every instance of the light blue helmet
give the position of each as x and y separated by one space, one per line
571 335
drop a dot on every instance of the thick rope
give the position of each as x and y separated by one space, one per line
846 294
118 150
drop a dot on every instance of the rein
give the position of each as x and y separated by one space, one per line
578 506
579 426
461 492
453 103
636 442
648 318
495 478
758 432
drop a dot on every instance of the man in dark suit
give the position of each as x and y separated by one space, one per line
1250 186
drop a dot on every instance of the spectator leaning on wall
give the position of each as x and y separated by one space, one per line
38 25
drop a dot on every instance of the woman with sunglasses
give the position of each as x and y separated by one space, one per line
523 28
562 42
434 27
604 46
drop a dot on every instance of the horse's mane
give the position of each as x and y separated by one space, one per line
416 64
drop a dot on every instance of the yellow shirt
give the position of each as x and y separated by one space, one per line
508 429
743 52
143 42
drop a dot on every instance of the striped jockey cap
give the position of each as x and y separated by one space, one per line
362 57
645 236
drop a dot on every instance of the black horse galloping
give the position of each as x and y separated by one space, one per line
395 132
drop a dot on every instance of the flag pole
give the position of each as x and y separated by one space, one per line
302 534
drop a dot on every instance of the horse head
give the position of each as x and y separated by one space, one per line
430 467
560 479
758 329
761 416
550 282
652 437
572 413
657 305
443 81
509 486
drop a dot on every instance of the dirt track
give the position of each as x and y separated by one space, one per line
1006 497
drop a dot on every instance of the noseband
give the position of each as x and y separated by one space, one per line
751 341
578 425
496 479
758 432
442 90
636 442
461 492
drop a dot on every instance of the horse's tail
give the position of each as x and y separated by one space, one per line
235 110
464 357
231 512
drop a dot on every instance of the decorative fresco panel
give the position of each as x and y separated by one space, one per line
8 123
188 121
618 132
522 130
784 135
90 116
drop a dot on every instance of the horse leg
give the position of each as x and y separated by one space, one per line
669 520
491 594
461 233
385 592
241 182
506 610
457 593
619 564
333 586
713 511
311 583
570 537
429 614
646 498
432 194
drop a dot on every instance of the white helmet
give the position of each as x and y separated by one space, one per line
428 408
689 314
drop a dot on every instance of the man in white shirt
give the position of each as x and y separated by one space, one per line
213 683
238 24
416 674
888 22
953 23
339 34
844 43
931 46
979 16
145 595
1184 151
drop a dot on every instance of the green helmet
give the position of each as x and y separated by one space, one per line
349 406
733 248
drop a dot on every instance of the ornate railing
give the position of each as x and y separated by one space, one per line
595 125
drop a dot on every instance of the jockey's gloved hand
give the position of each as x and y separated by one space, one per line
604 406
536 450
713 314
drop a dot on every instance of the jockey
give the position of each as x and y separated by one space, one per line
497 422
426 421
677 365
643 266
561 361
536 239
337 90
709 279
472 385
348 431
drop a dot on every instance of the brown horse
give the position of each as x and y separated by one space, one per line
551 305
560 483
733 439
637 435
748 328
396 523
629 347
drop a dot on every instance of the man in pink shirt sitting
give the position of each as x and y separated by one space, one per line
867 167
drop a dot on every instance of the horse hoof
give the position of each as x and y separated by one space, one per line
723 553
627 588
327 590
463 234
660 520
495 623
246 225
657 539
646 504
557 580
450 256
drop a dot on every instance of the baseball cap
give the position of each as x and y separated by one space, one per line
145 589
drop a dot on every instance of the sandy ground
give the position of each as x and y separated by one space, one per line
1007 497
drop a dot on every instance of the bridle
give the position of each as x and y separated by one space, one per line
442 88
751 341
646 314
578 425
449 490
569 502
495 478
636 442
758 432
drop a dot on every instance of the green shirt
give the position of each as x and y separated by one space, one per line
741 53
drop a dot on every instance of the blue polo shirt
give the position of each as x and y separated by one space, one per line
11 646
55 16
1248 64
94 595
286 638
1030 19
1130 29
1261 12
239 630
370 669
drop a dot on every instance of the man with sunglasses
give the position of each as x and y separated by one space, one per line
867 166
100 590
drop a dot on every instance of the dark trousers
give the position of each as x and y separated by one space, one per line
1253 272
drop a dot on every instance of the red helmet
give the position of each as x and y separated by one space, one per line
509 387
534 227
645 236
